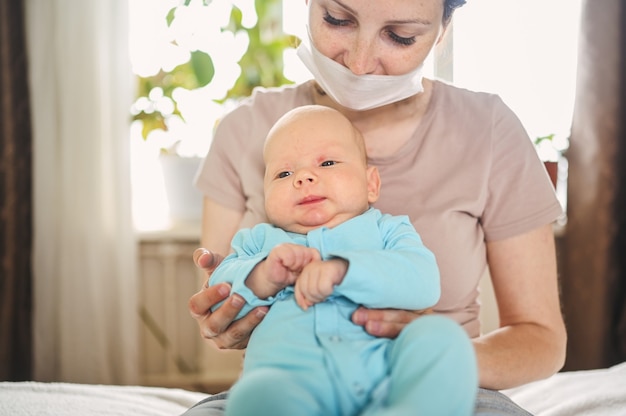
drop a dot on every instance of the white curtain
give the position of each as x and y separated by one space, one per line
85 296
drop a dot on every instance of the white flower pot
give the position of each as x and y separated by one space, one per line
185 201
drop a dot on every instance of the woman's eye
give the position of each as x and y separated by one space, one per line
283 174
401 40
334 21
328 163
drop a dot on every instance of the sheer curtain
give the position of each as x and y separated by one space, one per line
85 296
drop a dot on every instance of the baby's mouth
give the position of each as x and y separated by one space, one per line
311 199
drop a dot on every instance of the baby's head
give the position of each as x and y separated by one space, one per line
316 171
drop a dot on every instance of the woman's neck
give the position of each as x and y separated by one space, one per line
385 129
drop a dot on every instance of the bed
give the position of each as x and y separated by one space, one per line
591 392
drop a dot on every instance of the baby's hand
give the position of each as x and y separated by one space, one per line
286 261
318 280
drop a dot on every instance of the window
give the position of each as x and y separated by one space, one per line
524 51
154 46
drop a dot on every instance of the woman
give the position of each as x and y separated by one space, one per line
459 163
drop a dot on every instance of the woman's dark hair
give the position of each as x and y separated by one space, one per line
448 8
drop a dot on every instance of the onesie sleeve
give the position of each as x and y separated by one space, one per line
249 249
403 274
219 176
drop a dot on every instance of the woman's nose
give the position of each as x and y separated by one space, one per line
361 58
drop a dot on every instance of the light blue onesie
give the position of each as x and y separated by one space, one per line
317 362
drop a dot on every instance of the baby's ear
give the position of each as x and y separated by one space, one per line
373 184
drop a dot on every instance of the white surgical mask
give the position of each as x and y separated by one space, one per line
358 92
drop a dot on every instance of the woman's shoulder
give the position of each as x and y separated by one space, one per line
470 108
447 94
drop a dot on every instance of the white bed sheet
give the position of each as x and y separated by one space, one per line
592 392
65 399
589 393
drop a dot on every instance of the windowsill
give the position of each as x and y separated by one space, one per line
178 231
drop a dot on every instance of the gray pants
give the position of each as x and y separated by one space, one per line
488 403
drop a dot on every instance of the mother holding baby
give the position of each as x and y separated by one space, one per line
458 163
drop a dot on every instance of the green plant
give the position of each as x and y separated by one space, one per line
195 73
547 148
261 65
541 139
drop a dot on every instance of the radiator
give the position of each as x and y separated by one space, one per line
172 352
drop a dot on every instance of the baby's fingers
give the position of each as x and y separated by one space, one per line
313 255
301 299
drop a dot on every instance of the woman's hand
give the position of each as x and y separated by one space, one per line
385 323
218 326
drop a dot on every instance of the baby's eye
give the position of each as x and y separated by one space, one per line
283 174
328 163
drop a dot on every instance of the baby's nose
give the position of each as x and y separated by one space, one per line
304 177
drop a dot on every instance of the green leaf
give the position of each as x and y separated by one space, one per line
262 63
548 138
150 123
170 16
203 69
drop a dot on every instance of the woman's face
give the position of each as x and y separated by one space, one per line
381 37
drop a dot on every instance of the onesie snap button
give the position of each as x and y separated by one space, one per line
335 338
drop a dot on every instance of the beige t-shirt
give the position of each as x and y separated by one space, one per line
469 175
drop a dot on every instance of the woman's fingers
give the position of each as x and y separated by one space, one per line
386 323
220 325
228 334
200 304
206 260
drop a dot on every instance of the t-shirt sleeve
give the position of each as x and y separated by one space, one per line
219 175
520 194
232 173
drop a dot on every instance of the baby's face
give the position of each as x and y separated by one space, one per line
316 173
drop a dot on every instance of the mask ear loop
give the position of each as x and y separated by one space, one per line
306 43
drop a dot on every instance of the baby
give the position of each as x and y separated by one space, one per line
324 253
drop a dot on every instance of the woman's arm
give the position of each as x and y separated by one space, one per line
530 343
219 225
